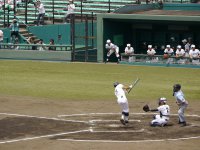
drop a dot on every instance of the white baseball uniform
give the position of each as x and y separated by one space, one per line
151 51
163 117
111 49
194 54
122 100
180 53
129 51
179 96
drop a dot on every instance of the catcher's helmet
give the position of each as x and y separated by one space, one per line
176 87
115 84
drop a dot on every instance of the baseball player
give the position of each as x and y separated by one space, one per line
180 53
194 54
129 50
112 48
120 93
169 51
162 118
181 102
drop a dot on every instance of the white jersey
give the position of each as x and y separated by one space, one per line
109 46
120 93
129 50
151 51
194 53
1 35
71 8
180 98
164 110
180 52
169 51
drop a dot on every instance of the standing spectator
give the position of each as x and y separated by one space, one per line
194 54
186 46
1 37
14 30
180 53
70 10
51 42
41 13
129 50
181 102
112 48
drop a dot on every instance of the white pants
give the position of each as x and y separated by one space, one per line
181 113
112 51
160 120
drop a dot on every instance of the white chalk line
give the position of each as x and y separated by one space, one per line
89 114
136 141
38 117
99 120
130 131
43 136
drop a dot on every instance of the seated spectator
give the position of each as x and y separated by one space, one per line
70 10
129 51
1 4
31 40
194 54
9 5
180 53
41 46
53 48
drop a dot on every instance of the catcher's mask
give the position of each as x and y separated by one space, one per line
115 84
162 100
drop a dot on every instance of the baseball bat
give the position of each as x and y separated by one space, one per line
134 84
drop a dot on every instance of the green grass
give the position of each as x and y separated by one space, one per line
82 81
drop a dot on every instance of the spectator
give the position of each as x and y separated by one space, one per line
53 48
1 4
1 37
9 5
31 40
186 45
70 10
112 48
41 46
180 53
194 54
14 30
41 13
129 50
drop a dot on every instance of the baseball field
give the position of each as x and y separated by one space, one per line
71 106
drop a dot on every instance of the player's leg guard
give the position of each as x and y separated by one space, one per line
126 116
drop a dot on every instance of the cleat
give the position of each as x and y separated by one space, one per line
122 121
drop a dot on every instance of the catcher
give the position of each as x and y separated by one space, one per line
162 118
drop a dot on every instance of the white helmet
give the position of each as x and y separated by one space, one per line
162 99
108 41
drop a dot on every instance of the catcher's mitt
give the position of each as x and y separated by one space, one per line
146 108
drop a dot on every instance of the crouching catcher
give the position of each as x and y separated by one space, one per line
162 118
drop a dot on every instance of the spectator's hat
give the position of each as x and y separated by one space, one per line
168 46
108 41
179 46
128 45
192 46
149 46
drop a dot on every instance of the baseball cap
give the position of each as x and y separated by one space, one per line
168 46
192 46
108 41
184 40
129 45
149 46
179 46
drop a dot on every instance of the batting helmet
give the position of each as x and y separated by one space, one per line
176 87
115 84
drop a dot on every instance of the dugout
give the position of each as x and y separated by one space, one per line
141 25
